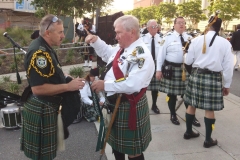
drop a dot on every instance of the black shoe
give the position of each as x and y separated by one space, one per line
196 122
210 143
236 69
174 120
155 109
190 135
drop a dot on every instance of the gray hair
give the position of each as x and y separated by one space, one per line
128 22
150 21
47 22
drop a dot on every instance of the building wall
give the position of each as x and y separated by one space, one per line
9 17
145 3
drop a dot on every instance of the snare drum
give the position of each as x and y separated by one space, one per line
11 116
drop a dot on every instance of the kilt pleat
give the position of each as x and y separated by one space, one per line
90 113
39 129
204 91
175 86
154 84
128 141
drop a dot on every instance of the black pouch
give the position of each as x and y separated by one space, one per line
26 93
167 71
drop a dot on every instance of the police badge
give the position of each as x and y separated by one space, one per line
141 62
41 61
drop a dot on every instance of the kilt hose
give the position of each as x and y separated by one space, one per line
39 129
127 141
204 91
175 86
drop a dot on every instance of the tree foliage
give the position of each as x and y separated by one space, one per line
229 10
66 7
192 12
167 11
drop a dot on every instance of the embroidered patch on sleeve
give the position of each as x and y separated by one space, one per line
41 61
141 62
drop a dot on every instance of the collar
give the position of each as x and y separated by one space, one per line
133 45
176 33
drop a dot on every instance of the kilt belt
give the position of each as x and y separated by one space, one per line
113 98
173 64
51 99
205 71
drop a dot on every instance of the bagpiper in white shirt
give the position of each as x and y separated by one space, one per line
152 40
212 60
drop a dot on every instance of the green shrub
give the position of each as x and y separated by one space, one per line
6 78
76 72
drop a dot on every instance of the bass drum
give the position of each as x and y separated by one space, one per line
11 116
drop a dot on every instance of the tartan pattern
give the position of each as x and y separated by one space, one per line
128 141
89 113
175 86
39 129
154 84
204 91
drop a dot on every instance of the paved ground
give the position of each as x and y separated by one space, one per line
167 142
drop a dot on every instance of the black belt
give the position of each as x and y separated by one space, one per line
112 99
173 64
51 99
205 71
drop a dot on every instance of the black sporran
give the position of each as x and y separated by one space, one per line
167 71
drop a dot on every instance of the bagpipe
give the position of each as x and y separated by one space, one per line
7 98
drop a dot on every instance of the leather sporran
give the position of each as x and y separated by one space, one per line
167 71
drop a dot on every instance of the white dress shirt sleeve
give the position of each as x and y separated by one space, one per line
85 94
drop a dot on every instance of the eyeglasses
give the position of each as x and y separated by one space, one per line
54 19
153 27
183 23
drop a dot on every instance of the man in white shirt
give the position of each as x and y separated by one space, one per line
152 41
210 78
169 66
130 133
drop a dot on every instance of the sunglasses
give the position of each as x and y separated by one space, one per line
54 19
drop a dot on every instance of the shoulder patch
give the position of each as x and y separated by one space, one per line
140 49
39 61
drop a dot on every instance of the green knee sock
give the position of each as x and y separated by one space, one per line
208 126
189 120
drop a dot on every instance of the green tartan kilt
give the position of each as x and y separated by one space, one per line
128 141
175 86
154 84
204 91
39 129
90 113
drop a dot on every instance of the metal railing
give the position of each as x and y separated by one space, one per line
81 48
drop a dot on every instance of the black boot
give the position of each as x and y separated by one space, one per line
141 157
209 142
118 155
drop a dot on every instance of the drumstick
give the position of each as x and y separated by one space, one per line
2 52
